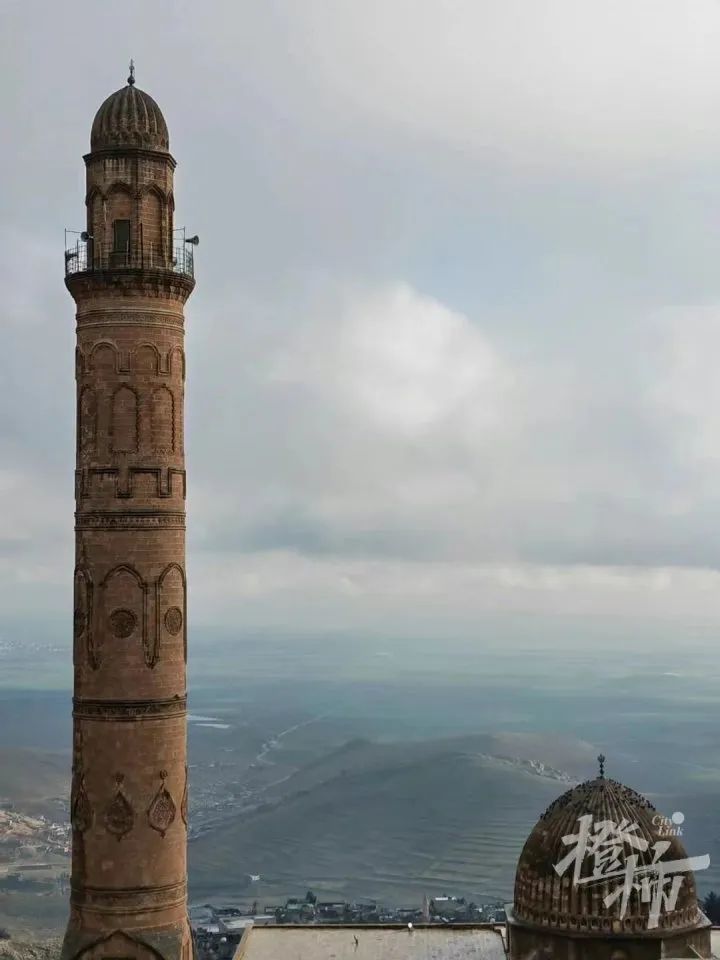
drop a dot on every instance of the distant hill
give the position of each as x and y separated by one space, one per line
389 821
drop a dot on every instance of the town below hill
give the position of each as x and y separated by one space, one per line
218 930
34 858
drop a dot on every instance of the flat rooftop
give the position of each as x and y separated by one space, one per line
370 942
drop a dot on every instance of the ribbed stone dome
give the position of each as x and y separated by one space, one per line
545 898
129 118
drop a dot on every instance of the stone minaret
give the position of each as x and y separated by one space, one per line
129 785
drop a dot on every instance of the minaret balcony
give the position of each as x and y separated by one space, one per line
84 257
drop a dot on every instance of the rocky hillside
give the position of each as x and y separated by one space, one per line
30 950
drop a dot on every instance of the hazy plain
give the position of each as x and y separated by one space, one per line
387 768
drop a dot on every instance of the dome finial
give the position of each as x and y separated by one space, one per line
131 78
601 761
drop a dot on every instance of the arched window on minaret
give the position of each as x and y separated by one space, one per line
120 213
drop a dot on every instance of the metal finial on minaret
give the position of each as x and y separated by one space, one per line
131 78
601 761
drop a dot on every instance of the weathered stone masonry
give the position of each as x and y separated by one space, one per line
129 784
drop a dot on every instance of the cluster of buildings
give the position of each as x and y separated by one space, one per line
219 934
23 837
221 921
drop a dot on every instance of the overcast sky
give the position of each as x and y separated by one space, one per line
453 351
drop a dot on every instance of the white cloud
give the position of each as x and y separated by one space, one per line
394 427
427 371
400 360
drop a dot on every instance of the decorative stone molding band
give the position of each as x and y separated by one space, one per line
129 710
110 520
128 899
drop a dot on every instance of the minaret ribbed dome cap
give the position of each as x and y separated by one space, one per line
129 118
543 898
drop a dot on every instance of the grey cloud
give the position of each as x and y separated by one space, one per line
530 407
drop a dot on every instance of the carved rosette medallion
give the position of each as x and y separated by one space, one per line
173 621
119 816
161 812
122 623
184 801
94 650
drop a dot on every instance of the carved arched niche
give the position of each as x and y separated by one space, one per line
123 614
104 357
171 609
147 359
125 420
87 414
162 421
177 362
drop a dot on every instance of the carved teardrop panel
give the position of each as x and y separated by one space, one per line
81 815
80 611
119 814
162 810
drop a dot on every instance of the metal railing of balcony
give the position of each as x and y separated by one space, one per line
87 256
